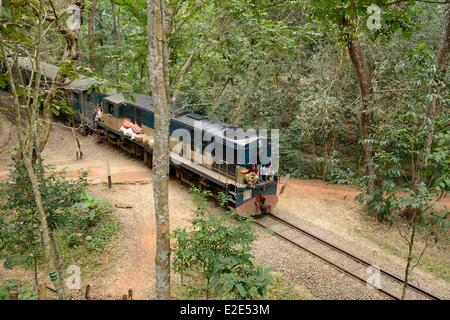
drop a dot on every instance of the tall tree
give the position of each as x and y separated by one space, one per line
157 61
117 38
347 19
27 127
417 212
70 32
361 67
91 33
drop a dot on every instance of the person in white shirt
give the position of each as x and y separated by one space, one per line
266 171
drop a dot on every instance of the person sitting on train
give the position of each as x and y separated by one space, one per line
98 113
252 176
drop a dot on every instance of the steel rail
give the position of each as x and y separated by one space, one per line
343 252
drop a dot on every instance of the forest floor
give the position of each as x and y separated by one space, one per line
327 210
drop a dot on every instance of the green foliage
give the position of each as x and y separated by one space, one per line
3 80
25 291
440 162
403 163
220 251
89 224
75 217
346 20
242 281
277 64
278 289
272 64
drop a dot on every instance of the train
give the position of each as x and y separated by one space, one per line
201 147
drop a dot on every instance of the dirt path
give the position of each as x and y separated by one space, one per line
131 264
61 153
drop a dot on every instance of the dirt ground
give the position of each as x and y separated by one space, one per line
61 153
131 260
128 263
332 213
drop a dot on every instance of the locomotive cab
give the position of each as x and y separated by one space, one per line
221 156
259 195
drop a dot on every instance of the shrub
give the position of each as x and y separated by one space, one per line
220 252
24 289
75 217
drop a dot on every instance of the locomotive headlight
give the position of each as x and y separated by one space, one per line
247 195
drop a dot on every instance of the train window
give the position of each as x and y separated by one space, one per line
121 111
138 117
76 100
110 109
193 140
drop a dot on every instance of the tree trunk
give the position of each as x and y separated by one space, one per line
314 153
91 33
116 37
49 249
72 53
361 68
30 156
409 258
31 153
166 30
180 79
28 150
35 269
158 76
444 47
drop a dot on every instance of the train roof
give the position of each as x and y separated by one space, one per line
138 100
50 71
219 129
141 101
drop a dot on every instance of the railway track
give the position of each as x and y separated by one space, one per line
349 264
